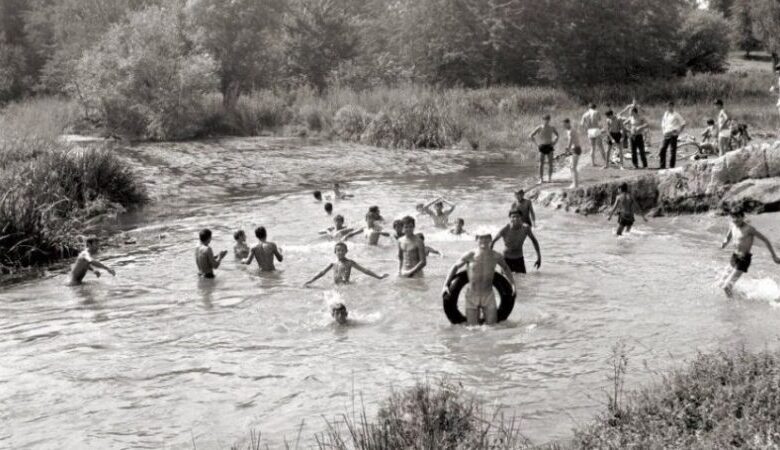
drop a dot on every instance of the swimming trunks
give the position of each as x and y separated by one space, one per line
206 275
594 133
577 150
740 262
625 221
616 137
486 300
546 149
516 265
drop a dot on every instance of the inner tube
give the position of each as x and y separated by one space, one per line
450 300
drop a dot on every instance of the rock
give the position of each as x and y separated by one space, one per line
754 195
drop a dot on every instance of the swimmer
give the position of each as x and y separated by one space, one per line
86 262
480 266
342 267
440 217
240 250
626 206
204 255
338 230
337 194
398 228
743 234
264 252
525 207
317 196
548 137
411 251
514 235
372 229
339 313
428 250
329 208
458 229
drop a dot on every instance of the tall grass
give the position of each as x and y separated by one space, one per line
50 194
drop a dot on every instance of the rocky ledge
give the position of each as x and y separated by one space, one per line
748 178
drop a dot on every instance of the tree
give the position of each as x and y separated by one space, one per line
724 7
17 68
240 35
705 42
742 27
765 15
319 37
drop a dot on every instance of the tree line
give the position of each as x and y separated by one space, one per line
101 50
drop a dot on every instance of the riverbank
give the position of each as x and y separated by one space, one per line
748 178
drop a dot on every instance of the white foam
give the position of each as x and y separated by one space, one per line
762 290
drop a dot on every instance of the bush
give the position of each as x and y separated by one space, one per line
705 42
146 78
351 122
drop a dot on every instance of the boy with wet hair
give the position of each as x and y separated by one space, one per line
342 267
86 262
441 218
575 149
329 208
411 251
480 266
338 230
743 235
373 230
264 252
626 206
525 207
398 228
514 235
458 229
240 249
548 137
339 313
204 255
317 196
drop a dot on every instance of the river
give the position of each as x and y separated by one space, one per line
156 358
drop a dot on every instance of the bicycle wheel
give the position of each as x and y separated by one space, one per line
687 150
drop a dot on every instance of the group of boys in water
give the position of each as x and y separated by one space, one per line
480 263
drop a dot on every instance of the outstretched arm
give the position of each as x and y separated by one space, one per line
368 272
102 266
319 275
535 242
768 246
249 258
278 254
352 233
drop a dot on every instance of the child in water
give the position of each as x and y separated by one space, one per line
337 194
86 263
626 206
373 229
342 267
204 255
338 230
339 313
458 229
264 252
743 234
441 218
317 196
328 208
240 250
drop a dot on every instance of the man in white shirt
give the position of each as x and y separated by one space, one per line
591 123
672 124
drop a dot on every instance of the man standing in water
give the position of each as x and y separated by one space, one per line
591 121
204 255
525 207
480 266
264 252
743 234
548 137
411 251
672 124
514 235
625 206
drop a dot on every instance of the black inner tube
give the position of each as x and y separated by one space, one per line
450 300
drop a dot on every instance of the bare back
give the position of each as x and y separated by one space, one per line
264 253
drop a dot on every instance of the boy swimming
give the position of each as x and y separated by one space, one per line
204 255
514 235
317 195
338 230
548 137
411 251
441 218
339 313
240 249
337 194
372 230
480 266
342 267
626 206
86 262
743 235
328 208
458 229
264 252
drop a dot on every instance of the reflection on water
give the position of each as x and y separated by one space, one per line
157 357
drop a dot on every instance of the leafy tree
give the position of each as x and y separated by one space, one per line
17 68
241 35
765 15
705 42
146 77
742 27
725 7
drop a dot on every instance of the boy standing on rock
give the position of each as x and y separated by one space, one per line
626 206
743 234
548 137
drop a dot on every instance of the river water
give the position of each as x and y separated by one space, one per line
156 358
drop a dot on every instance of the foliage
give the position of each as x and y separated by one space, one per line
743 36
765 15
145 77
705 42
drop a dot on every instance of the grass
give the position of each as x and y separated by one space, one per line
51 193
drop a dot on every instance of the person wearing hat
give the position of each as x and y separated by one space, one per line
525 207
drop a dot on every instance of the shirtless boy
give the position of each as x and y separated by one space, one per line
480 266
615 136
338 230
575 149
337 194
339 313
342 267
547 138
240 249
525 207
373 229
329 208
626 206
264 252
458 229
591 121
743 235
441 218
514 235
204 255
411 252
86 263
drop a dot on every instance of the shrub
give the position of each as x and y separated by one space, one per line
146 78
351 122
705 42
